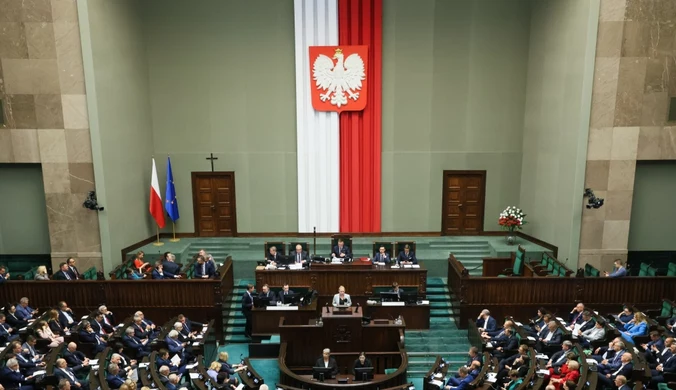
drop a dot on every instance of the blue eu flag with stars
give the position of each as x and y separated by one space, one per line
171 203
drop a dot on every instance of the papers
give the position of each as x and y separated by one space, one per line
408 266
281 308
394 266
542 356
518 323
543 372
39 372
415 266
240 387
393 304
199 336
22 329
84 317
561 320
438 375
196 343
592 362
437 383
491 377
531 338
176 360
489 345
133 375
191 366
424 302
295 266
93 361
95 367
120 325
194 375
143 365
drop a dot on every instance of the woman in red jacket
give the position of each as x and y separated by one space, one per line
572 374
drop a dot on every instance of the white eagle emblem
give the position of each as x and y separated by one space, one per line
340 81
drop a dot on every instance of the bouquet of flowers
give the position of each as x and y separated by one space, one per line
512 218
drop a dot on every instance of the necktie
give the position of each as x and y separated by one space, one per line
298 258
98 340
67 276
203 270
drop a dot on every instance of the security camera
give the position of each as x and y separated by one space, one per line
592 202
91 203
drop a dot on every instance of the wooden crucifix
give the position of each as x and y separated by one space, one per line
212 158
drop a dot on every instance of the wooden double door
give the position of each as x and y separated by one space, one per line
463 202
214 204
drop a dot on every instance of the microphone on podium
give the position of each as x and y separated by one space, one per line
357 311
327 307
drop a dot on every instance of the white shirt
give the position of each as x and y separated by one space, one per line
326 364
549 335
485 323
618 370
68 317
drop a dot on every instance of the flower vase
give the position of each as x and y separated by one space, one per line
511 237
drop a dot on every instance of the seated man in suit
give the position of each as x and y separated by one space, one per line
285 291
299 255
552 336
87 335
63 372
29 349
63 273
23 311
655 341
169 264
395 289
407 256
182 349
597 332
27 365
274 257
204 269
164 372
603 353
160 273
138 345
669 325
382 256
465 380
618 271
341 250
518 362
72 269
655 356
327 361
497 332
612 363
76 360
189 325
115 378
341 299
67 318
162 359
557 360
173 382
266 293
621 383
625 369
13 320
7 333
504 344
100 327
12 378
485 322
575 316
669 366
108 317
143 331
586 323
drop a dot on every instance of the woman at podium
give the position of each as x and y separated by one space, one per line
342 299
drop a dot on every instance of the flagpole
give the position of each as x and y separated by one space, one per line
158 243
173 228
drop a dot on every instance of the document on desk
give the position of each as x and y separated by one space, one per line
281 308
93 361
143 365
424 302
407 266
196 343
393 304
194 375
295 266
437 383
414 266
191 366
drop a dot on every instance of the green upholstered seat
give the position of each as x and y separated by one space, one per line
30 274
643 270
517 267
390 371
671 270
562 272
662 386
555 269
90 274
652 271
595 272
587 270
666 309
399 246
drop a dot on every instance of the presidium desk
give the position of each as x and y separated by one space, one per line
361 280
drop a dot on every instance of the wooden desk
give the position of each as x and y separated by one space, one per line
265 322
415 316
359 278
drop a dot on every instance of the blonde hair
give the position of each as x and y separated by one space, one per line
42 270
216 366
223 356
573 365
640 317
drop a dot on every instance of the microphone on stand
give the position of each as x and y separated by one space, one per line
357 311
327 307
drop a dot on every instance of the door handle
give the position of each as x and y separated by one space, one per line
213 207
460 205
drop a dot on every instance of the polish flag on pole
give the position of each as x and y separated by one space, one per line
156 209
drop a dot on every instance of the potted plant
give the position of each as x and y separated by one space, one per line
512 218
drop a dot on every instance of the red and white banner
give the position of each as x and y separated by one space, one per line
339 160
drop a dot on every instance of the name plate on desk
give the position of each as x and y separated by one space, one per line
281 308
393 304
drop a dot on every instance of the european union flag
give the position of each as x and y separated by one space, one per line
171 203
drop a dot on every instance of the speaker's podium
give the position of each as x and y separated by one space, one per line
341 330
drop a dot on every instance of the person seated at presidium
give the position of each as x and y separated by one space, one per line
327 361
361 362
407 256
618 271
273 257
382 256
300 256
341 299
341 250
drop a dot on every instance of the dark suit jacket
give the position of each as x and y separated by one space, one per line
292 256
357 364
56 327
15 322
276 258
659 343
63 321
590 324
464 383
507 343
281 295
171 267
555 358
60 275
73 272
332 364
410 257
26 365
382 258
174 346
270 295
626 371
96 327
114 381
74 359
475 358
11 379
90 338
557 337
59 372
490 325
338 251
670 365
247 302
209 270
129 342
574 318
170 386
140 332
